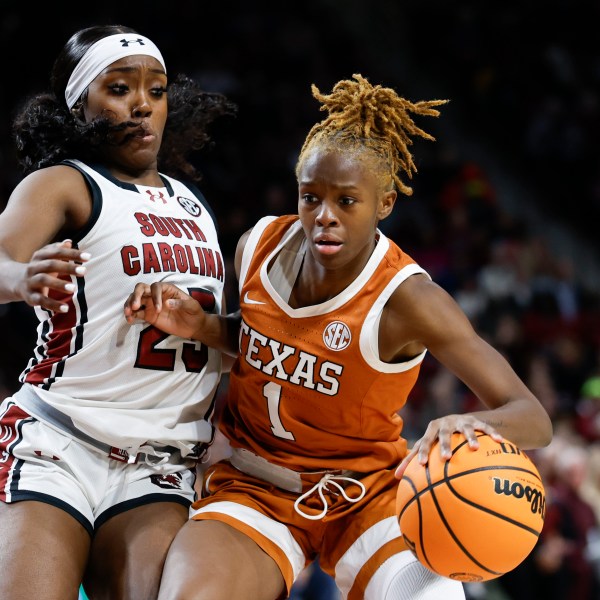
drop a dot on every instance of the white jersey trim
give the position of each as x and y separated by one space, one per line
369 335
333 303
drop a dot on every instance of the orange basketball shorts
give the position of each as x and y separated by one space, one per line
352 539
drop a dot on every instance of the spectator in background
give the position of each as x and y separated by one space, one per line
564 570
587 418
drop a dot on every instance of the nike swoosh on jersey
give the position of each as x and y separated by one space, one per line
206 482
249 300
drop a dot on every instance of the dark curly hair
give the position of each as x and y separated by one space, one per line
47 132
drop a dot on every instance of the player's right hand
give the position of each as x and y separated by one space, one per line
165 306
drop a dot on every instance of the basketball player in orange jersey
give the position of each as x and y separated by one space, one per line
335 322
98 447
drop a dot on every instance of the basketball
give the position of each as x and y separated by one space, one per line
476 516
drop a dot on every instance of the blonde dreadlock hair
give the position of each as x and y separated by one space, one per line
362 115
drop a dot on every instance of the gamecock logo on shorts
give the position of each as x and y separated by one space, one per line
190 205
167 482
337 336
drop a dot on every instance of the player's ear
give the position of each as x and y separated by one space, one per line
77 111
386 204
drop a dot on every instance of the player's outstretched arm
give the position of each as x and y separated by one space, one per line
509 409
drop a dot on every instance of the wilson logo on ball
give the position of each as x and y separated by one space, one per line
505 448
536 499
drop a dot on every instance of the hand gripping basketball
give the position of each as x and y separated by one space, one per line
476 516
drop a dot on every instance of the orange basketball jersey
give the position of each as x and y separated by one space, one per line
308 390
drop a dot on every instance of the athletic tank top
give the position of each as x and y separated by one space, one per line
129 384
308 390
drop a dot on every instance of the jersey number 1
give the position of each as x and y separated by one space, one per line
272 392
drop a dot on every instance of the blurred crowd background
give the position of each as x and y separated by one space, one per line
506 202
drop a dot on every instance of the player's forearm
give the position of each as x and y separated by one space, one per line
521 421
12 273
220 332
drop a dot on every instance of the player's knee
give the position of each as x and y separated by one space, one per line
403 577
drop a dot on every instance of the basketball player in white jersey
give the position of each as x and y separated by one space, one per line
99 445
335 322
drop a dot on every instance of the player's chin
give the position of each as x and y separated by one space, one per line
136 159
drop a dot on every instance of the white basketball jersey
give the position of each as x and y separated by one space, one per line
129 384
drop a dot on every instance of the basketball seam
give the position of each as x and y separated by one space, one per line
453 535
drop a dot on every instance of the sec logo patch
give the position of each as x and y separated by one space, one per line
337 336
189 205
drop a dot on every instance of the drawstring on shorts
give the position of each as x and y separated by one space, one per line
294 481
321 486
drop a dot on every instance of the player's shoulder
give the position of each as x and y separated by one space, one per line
54 180
418 293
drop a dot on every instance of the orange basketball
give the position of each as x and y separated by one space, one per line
476 516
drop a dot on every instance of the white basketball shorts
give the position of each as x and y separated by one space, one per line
39 462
